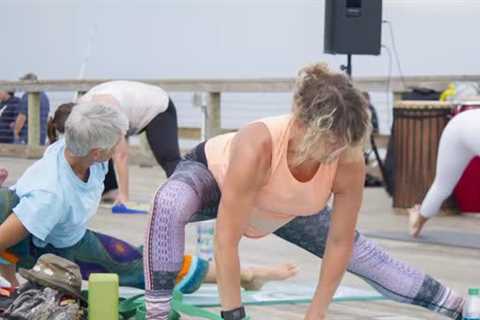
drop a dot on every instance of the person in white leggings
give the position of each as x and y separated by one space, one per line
459 144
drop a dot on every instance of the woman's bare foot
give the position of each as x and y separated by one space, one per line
415 221
3 176
8 272
253 278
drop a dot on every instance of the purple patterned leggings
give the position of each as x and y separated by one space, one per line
191 194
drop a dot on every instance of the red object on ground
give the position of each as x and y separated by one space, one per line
467 191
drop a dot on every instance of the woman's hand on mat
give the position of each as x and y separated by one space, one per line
321 317
415 221
121 199
315 315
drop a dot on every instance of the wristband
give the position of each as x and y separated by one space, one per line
235 314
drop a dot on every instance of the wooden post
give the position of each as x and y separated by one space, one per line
397 96
213 127
33 119
213 115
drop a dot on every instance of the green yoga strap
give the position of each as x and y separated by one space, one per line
135 307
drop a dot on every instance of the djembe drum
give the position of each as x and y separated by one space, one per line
417 127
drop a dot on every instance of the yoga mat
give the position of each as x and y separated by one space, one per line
438 237
272 293
207 295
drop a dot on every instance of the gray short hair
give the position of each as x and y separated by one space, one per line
92 125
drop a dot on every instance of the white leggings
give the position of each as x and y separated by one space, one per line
459 144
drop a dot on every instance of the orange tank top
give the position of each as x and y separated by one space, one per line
283 197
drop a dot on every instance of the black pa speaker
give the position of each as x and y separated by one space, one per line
353 26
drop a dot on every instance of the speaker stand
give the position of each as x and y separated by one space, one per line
348 67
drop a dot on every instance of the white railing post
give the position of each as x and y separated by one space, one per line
211 126
33 119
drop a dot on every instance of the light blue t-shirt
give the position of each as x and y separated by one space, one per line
55 204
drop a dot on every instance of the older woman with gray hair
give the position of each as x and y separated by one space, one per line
48 209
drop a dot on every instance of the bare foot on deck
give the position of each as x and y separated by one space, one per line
253 278
415 221
3 176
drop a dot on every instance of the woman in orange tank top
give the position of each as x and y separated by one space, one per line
275 175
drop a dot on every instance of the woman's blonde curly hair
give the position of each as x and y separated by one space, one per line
328 106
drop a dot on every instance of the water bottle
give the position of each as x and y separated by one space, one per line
471 309
205 234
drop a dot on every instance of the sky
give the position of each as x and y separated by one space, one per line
222 38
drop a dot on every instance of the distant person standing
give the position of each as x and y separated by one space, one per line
458 146
21 122
370 180
373 113
148 108
9 105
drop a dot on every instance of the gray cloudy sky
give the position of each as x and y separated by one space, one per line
221 38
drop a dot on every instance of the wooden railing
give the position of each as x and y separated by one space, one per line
213 87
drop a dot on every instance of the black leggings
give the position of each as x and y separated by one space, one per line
162 136
110 182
